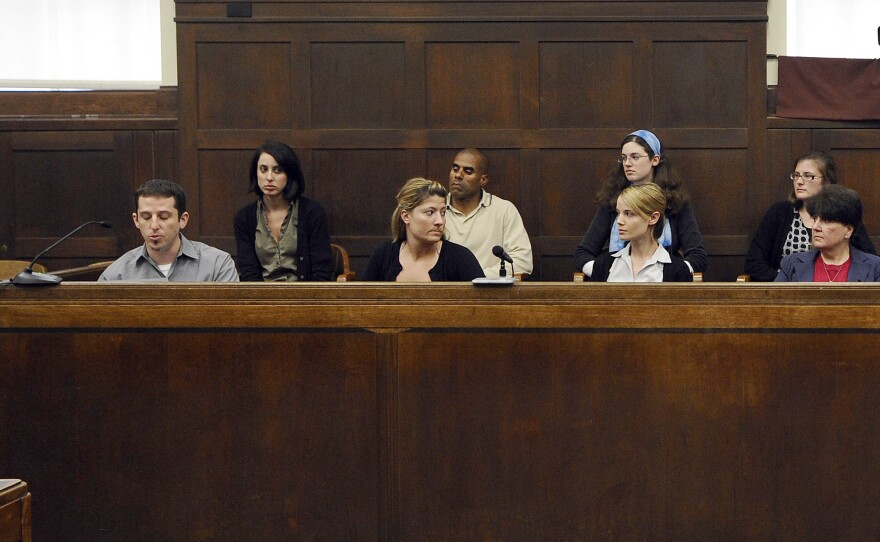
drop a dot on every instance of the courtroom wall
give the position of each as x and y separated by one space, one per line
370 94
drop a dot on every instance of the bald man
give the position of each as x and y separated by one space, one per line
480 221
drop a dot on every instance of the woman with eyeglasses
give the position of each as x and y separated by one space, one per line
642 161
787 226
836 213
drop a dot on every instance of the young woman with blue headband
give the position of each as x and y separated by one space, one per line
642 161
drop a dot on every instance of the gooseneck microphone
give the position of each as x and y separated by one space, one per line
498 251
30 278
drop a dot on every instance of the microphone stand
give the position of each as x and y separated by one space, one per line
29 277
502 271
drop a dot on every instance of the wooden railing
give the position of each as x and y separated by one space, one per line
400 412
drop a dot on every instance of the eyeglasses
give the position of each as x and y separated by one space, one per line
807 177
632 157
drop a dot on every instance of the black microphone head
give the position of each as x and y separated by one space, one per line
497 251
106 224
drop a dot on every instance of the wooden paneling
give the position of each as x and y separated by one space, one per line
354 189
461 95
581 82
571 176
15 511
255 95
549 88
59 180
358 85
444 412
857 154
71 157
372 93
696 86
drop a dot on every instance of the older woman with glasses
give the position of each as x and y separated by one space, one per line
836 213
642 160
787 226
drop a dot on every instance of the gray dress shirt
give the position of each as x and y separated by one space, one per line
196 262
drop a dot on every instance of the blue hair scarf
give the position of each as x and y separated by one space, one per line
650 139
614 242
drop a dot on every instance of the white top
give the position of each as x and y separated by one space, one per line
621 269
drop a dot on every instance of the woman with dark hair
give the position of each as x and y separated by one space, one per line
417 251
283 236
836 213
642 161
787 226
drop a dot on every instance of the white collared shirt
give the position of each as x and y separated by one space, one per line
621 269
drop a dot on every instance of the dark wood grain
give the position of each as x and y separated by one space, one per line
444 412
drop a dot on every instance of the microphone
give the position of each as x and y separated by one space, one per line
30 278
505 257
499 253
503 279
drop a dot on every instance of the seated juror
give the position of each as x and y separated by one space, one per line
836 213
640 222
283 236
480 220
166 255
417 251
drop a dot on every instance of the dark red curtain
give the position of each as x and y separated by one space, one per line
828 88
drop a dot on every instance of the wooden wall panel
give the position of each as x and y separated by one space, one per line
858 165
358 85
444 412
59 180
570 178
125 424
718 188
256 94
472 85
701 84
581 85
357 188
223 191
70 157
520 80
589 478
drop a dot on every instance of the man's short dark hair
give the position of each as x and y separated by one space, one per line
160 188
836 203
289 163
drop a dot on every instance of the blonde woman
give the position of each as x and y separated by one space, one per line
643 160
640 222
417 251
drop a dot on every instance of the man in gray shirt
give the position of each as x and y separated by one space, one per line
166 254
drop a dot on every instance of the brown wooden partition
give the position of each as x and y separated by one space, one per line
444 412
373 93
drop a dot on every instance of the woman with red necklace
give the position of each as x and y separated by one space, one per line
837 213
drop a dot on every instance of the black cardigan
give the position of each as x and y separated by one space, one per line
455 264
314 261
